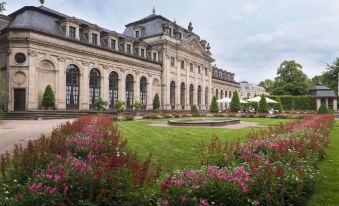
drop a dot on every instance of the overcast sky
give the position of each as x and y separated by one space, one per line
248 37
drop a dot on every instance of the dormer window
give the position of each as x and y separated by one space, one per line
113 44
170 31
180 36
182 64
142 52
172 61
137 34
72 32
94 39
129 49
191 67
155 56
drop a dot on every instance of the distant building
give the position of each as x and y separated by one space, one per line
325 96
249 90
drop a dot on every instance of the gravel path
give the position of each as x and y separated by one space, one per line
21 131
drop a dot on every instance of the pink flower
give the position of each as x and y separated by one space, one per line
165 202
204 202
90 156
57 178
256 203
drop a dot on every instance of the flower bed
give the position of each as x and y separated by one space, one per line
278 166
83 163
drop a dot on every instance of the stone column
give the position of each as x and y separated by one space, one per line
104 86
150 94
32 81
61 85
326 102
318 103
187 87
335 104
122 86
84 87
136 88
177 88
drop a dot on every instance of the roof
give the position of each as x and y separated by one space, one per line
322 91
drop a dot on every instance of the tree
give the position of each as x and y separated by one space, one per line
263 107
235 105
48 99
330 77
214 105
194 111
156 102
290 80
2 6
279 105
324 110
267 84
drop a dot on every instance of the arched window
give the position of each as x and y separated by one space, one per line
199 96
217 94
143 91
225 93
206 97
172 95
72 87
182 95
230 94
94 87
191 94
129 91
221 94
113 89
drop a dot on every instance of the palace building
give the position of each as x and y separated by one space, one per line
83 61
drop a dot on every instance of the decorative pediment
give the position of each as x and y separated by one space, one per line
72 20
193 45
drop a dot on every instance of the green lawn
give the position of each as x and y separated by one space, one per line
327 189
176 147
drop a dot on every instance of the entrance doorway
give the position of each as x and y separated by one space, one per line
19 99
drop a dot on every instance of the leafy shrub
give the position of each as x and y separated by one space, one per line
48 99
235 105
138 105
279 106
83 163
278 166
120 106
168 116
214 105
100 104
306 102
263 107
156 102
194 111
323 109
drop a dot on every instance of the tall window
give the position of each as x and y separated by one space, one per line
129 48
72 87
172 95
170 31
191 67
191 94
143 91
206 97
113 89
206 73
199 96
142 52
94 39
129 91
182 64
94 86
113 43
230 94
182 95
199 69
172 61
180 35
217 93
154 56
137 34
72 32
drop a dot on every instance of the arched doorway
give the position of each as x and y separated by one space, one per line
172 95
182 95
129 91
72 87
143 91
113 89
94 87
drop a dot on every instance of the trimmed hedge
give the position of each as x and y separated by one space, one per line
288 102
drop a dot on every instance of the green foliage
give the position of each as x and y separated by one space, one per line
267 84
138 105
2 6
306 102
120 106
279 106
194 111
323 109
48 99
290 80
235 103
156 102
100 104
214 105
263 107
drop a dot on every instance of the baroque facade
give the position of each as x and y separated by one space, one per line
250 90
82 62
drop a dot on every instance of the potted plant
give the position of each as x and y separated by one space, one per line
48 99
100 104
138 106
120 106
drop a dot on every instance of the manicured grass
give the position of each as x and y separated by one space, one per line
327 189
176 147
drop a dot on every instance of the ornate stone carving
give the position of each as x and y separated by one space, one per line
61 59
32 53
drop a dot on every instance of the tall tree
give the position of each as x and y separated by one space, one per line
2 6
330 76
267 84
290 80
